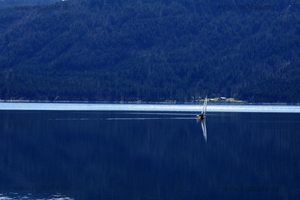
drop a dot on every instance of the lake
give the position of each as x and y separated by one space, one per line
115 151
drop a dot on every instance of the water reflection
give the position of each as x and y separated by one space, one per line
162 157
203 125
29 196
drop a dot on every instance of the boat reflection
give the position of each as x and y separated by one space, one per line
203 125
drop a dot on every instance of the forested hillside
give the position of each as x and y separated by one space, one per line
152 50
12 3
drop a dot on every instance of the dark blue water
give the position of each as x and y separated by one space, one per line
149 155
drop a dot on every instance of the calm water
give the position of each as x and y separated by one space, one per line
148 155
149 107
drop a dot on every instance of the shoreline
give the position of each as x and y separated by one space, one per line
142 102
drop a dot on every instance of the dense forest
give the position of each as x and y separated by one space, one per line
12 3
152 50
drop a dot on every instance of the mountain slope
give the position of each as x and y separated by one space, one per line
151 50
13 3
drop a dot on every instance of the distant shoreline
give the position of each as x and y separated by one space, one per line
142 102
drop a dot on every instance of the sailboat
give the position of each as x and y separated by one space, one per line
202 115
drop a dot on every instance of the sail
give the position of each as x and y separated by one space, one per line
204 106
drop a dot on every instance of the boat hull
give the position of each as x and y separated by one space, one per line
200 116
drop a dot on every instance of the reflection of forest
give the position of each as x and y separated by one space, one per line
148 158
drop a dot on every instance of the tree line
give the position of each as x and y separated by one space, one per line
151 50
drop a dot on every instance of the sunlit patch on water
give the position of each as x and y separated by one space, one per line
150 107
144 118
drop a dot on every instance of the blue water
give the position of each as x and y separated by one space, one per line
50 153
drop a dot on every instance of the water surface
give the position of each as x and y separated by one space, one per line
148 155
150 107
